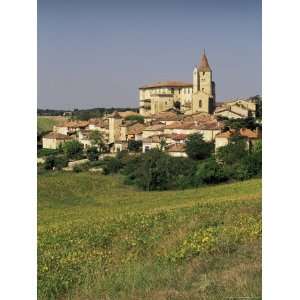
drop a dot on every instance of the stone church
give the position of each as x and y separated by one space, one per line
190 98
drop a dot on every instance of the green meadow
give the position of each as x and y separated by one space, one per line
101 239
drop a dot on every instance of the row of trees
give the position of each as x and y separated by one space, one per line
155 170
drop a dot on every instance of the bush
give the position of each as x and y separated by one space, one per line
92 153
155 170
232 153
138 118
197 148
47 152
73 149
112 165
55 162
210 172
135 146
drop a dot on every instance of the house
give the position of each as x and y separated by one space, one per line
131 130
176 150
54 139
153 130
70 127
237 108
152 142
250 136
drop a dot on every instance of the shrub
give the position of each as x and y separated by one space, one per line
135 146
209 171
232 153
92 153
197 148
112 165
47 152
73 149
155 170
138 118
57 162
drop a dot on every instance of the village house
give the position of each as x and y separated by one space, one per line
53 140
176 150
70 127
237 108
250 136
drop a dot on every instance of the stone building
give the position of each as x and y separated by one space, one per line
54 139
189 98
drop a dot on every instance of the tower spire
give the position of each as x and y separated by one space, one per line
204 66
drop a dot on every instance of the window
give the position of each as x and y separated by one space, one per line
203 73
202 89
200 103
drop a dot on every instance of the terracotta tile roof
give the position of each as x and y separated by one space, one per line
179 137
57 136
176 84
167 116
245 132
203 65
127 113
115 115
226 134
152 139
136 128
75 124
176 148
156 127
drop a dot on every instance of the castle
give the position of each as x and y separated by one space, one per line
189 98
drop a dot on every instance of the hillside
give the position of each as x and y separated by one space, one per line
100 239
45 124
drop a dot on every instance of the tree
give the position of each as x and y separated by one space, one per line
233 152
96 139
92 153
73 149
162 144
138 118
197 148
209 171
135 146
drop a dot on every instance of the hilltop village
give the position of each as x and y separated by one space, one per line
168 113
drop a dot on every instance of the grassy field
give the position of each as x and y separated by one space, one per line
100 239
45 124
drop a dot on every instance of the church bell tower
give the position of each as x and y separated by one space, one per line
203 88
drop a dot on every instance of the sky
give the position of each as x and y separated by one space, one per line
94 53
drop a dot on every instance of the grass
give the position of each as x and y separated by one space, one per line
100 239
45 124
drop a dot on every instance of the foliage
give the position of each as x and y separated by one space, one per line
233 152
100 239
46 152
92 153
209 171
96 138
73 149
55 162
138 118
197 148
155 170
135 146
237 124
112 165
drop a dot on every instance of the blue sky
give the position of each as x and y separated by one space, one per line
97 53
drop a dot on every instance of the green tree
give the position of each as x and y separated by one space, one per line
197 148
233 152
73 149
135 146
97 140
92 153
138 118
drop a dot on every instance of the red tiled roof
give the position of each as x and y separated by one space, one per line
57 136
176 148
